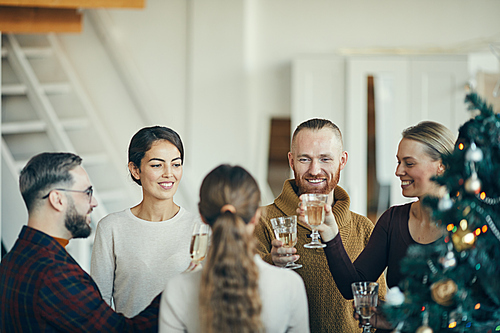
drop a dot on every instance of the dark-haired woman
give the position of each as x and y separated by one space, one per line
138 249
236 291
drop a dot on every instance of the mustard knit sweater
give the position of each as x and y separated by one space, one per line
328 310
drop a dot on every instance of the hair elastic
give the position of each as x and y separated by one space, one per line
228 207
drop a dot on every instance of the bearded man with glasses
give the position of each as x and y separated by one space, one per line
42 288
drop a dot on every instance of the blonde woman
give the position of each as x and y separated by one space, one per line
235 291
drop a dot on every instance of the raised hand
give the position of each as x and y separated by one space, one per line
376 321
329 229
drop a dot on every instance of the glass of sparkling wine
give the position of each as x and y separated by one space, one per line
314 206
285 230
365 299
199 244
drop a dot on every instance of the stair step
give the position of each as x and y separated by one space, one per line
32 52
14 89
23 127
36 126
49 88
56 88
37 51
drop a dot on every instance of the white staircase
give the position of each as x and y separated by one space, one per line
45 108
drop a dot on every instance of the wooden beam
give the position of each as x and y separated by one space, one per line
75 3
39 20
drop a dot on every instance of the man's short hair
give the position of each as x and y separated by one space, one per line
317 124
43 172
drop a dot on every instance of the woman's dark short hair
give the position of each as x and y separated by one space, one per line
143 140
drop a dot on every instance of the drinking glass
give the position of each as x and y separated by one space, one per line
285 230
365 299
199 244
314 206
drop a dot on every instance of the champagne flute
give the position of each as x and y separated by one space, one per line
285 230
365 299
199 244
314 206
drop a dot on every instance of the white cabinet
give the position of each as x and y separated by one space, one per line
318 90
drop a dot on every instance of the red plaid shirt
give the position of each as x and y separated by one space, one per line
43 289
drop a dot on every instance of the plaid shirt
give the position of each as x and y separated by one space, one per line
43 289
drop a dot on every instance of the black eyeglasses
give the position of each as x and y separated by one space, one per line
89 192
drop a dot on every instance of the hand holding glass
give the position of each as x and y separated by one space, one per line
199 244
314 207
285 230
365 299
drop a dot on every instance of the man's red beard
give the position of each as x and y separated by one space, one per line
328 185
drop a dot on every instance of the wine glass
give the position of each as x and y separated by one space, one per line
314 206
365 299
199 244
285 230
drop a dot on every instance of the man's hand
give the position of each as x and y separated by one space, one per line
282 255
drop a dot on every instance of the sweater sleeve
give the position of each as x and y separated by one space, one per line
264 236
102 267
369 265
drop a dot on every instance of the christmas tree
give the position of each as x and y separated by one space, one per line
453 284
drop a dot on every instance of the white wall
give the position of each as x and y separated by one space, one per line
218 70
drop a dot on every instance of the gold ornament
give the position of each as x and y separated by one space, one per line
424 329
443 291
463 239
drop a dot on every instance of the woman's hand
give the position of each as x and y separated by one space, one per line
377 320
327 230
193 266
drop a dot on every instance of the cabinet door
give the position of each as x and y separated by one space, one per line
438 90
318 90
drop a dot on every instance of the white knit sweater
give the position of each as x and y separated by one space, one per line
132 259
